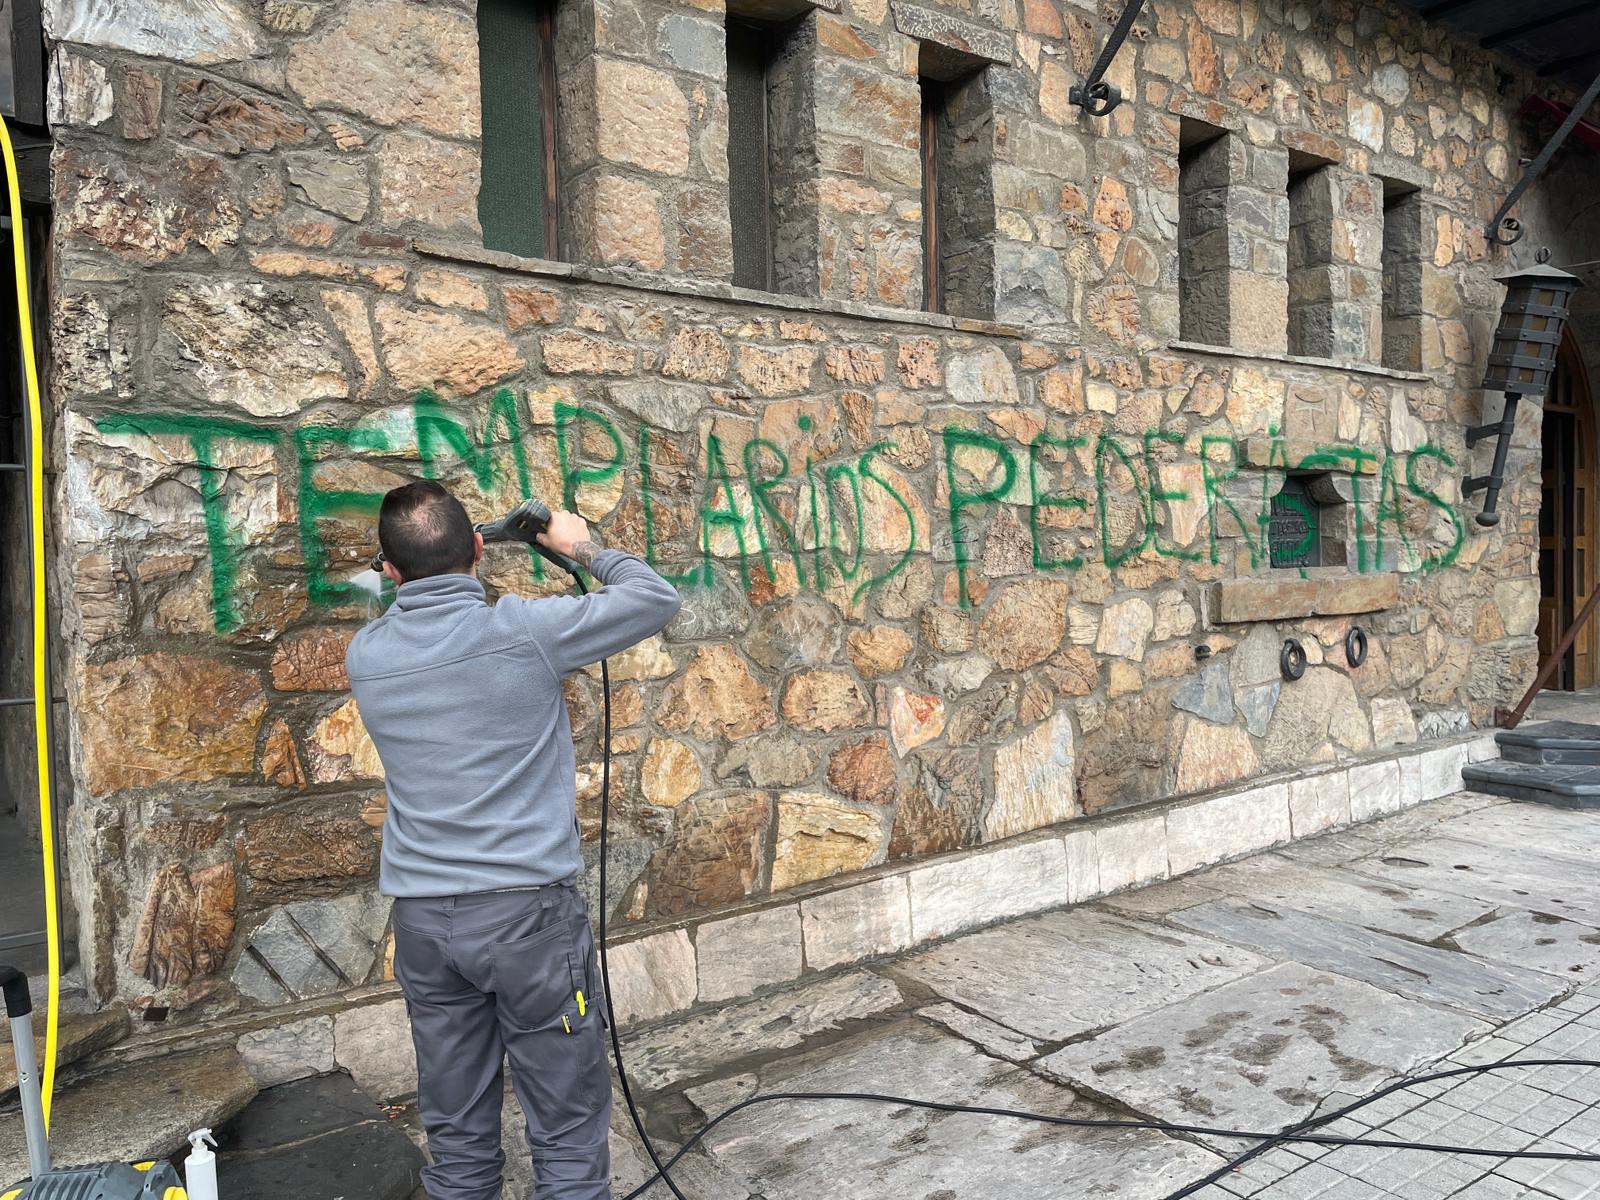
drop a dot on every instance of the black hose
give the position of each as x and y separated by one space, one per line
605 963
1295 1134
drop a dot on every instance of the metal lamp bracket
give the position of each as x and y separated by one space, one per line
1491 483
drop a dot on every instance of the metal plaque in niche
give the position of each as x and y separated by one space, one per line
1294 530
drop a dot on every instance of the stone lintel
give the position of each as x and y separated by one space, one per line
966 38
1268 452
1400 170
1236 601
779 10
1316 145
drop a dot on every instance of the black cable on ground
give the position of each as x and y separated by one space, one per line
1298 1134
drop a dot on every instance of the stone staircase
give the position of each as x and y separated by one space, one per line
1552 762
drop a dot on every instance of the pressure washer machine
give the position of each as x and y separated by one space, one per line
101 1181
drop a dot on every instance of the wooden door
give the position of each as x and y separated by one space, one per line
1567 520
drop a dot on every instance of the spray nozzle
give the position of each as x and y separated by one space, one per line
524 523
200 1139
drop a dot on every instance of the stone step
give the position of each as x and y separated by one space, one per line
316 1137
140 1112
1558 743
80 1035
1567 786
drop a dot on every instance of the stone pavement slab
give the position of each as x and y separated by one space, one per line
1517 1109
695 1047
1066 973
1537 827
1377 837
141 1112
840 1150
1538 941
1261 1052
1414 912
1474 985
321 1136
1561 885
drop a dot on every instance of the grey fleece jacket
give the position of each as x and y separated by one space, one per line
463 701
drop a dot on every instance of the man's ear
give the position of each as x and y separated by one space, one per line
477 548
388 569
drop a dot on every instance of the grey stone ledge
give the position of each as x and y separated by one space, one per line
945 29
668 285
1070 863
1300 360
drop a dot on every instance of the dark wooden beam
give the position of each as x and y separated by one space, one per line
1491 40
1445 7
1556 66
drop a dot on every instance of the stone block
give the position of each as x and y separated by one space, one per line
374 1044
742 954
943 29
284 1053
653 976
857 923
1083 866
981 888
1131 852
1319 802
143 1111
1349 594
1374 789
1439 771
1239 600
1410 781
1483 749
1223 827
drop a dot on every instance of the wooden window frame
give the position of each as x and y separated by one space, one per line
518 51
549 126
767 34
932 269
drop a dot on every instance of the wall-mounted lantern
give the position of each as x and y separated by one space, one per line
1521 361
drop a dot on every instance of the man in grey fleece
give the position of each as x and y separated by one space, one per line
480 847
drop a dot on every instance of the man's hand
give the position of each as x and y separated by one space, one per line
569 534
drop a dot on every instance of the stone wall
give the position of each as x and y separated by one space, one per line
946 581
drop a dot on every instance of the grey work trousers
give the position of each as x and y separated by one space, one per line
492 978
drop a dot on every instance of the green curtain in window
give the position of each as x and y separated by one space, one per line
511 198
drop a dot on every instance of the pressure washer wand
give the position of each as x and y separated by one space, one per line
19 1010
525 523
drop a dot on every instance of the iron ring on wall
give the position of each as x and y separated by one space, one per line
1355 646
1292 661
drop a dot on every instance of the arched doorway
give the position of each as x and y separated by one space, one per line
1567 519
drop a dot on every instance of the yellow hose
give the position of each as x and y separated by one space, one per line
41 696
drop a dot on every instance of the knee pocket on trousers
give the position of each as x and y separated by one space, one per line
537 978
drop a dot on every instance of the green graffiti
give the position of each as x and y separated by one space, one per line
830 477
203 433
955 440
1445 557
1107 442
436 430
864 466
318 504
1158 494
1213 485
756 525
712 518
764 508
572 478
1041 501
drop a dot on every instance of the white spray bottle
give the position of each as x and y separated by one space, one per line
200 1168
